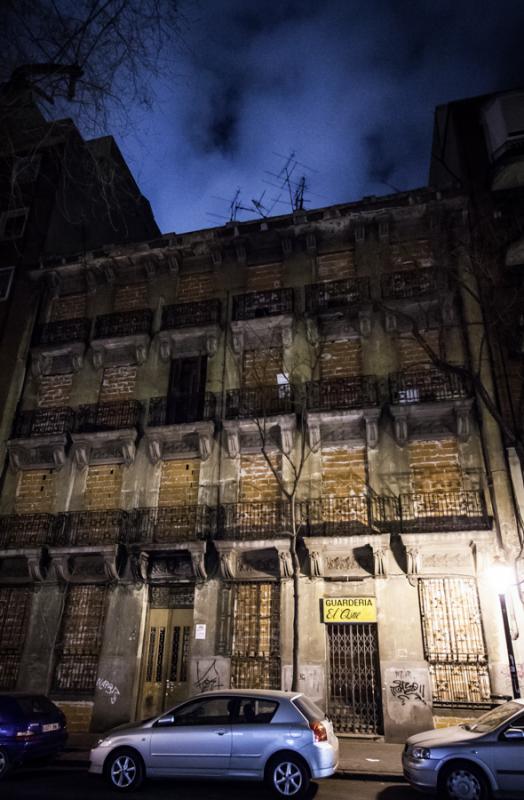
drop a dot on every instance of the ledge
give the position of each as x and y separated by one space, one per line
120 350
38 452
104 447
160 438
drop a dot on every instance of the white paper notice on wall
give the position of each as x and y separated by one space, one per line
200 631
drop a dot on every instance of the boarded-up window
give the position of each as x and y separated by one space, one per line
335 266
55 390
195 286
410 254
435 465
343 471
118 383
454 641
74 306
264 277
15 604
131 297
413 355
103 486
80 640
257 482
261 367
35 492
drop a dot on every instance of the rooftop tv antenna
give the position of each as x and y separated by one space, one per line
287 181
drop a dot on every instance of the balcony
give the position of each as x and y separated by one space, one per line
22 531
39 438
59 347
339 516
88 546
443 511
261 412
91 528
248 521
334 307
422 295
173 524
105 433
425 401
189 328
349 406
259 318
122 338
182 422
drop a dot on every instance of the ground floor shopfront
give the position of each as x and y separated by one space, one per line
395 634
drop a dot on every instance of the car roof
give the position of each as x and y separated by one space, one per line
274 694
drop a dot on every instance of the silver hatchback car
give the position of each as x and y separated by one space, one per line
282 738
471 762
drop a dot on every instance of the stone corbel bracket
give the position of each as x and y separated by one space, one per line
400 416
134 349
35 560
462 409
104 447
157 437
227 560
37 452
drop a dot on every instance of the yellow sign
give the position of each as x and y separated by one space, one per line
349 609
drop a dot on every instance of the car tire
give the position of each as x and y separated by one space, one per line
124 770
5 766
463 780
287 776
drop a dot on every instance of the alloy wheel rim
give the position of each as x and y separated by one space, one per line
3 762
287 778
463 785
123 771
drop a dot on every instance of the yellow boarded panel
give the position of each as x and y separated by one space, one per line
349 609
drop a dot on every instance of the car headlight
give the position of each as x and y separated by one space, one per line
421 752
103 743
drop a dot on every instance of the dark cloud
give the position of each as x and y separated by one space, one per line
349 85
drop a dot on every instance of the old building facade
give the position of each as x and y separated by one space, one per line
177 386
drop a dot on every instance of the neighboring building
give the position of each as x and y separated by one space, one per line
60 196
144 540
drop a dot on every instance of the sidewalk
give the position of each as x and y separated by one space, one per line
358 757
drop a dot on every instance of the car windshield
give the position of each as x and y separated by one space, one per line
497 716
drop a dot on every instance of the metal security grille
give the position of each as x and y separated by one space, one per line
454 642
14 614
254 615
81 639
354 680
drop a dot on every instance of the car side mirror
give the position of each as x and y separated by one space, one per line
164 722
514 733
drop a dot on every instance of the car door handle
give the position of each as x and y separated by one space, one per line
221 733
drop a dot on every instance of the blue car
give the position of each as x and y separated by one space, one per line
31 727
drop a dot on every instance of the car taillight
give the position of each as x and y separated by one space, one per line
319 731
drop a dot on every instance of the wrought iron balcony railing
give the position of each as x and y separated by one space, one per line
107 416
181 408
188 315
62 332
88 528
336 295
129 323
253 520
262 304
443 511
338 516
413 283
26 530
261 401
43 422
425 386
342 393
172 524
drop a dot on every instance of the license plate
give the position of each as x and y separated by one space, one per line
51 726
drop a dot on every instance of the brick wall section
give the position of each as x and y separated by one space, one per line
257 482
196 286
78 715
55 390
264 276
411 353
343 471
131 298
341 359
435 465
103 486
35 492
179 483
72 307
261 367
118 383
336 266
410 254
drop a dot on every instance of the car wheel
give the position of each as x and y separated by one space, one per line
4 764
463 781
124 770
287 776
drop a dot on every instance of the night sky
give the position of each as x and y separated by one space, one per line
350 87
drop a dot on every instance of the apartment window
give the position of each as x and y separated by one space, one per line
79 644
12 223
6 279
454 641
14 615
